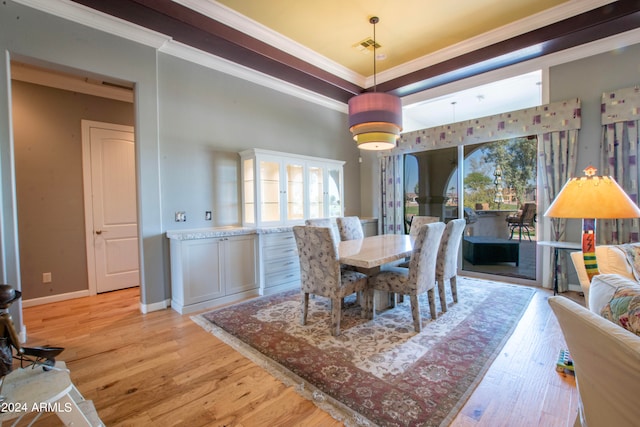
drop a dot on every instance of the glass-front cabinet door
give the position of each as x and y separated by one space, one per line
316 191
295 191
334 191
285 189
270 191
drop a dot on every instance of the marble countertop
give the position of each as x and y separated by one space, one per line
213 232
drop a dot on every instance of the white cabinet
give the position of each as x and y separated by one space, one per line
281 188
206 272
280 262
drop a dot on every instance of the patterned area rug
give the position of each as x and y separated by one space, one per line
377 372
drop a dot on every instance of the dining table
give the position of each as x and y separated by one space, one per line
369 254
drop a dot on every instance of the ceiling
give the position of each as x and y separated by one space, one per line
426 43
434 54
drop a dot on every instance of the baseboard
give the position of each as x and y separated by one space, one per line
54 298
156 306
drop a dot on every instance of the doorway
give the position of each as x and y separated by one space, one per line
48 107
108 160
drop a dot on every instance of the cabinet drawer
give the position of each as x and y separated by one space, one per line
282 277
281 264
278 252
278 239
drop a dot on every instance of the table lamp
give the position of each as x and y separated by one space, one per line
592 197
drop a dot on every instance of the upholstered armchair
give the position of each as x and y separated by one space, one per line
447 262
418 279
350 228
321 274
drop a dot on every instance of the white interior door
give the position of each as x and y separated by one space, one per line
112 226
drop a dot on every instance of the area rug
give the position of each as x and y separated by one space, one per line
377 372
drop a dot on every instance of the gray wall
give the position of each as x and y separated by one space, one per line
587 79
49 189
190 123
207 117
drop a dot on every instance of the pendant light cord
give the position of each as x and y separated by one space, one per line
374 20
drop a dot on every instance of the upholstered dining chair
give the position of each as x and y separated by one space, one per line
321 274
447 261
419 220
416 222
350 228
324 222
419 278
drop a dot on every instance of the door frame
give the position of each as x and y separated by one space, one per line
88 196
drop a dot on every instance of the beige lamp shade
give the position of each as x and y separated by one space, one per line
592 196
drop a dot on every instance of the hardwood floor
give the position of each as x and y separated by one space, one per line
163 369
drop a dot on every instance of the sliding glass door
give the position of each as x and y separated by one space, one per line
498 181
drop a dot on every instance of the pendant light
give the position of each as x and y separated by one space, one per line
375 119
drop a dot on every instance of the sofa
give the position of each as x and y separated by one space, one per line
607 365
617 266
604 338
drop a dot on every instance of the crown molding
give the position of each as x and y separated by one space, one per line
78 13
586 50
188 53
522 26
230 17
75 12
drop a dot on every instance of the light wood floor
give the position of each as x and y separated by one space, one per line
163 369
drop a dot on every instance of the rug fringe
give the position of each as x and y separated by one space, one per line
336 409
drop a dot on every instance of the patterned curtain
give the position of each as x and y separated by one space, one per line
557 163
619 148
392 173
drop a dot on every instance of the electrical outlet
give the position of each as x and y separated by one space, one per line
46 277
207 216
181 216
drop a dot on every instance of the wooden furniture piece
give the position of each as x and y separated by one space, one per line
34 390
321 273
285 189
447 261
418 279
490 250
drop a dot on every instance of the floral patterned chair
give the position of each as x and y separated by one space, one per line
321 274
350 228
417 221
324 222
447 261
419 278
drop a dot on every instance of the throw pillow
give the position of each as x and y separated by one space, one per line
624 308
632 251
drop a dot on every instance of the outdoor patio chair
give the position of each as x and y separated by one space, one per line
524 220
320 272
447 262
418 279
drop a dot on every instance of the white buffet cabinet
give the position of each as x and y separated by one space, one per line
212 267
217 266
